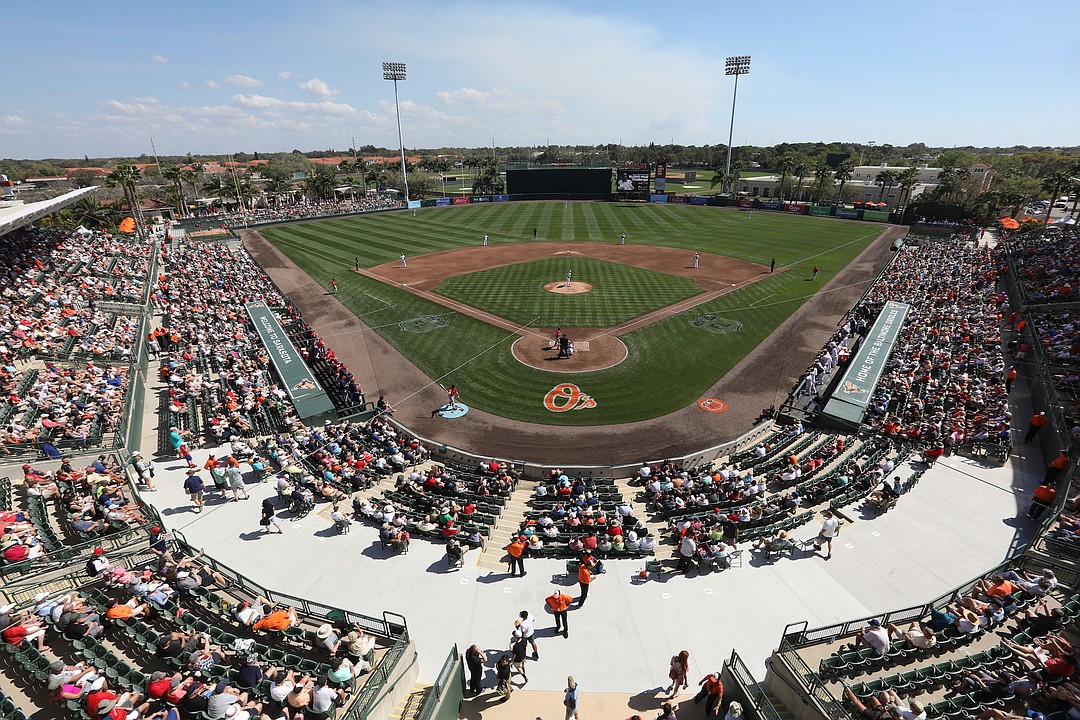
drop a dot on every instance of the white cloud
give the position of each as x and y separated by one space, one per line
185 85
146 100
258 102
317 87
13 120
160 59
284 75
213 84
243 81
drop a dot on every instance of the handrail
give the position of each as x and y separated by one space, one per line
442 680
764 707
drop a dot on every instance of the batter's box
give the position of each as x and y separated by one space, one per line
581 346
423 324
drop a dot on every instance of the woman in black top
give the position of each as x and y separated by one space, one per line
474 658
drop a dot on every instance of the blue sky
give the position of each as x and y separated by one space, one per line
101 79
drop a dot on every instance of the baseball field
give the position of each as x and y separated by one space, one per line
457 310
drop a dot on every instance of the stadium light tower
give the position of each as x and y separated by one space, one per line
736 65
396 71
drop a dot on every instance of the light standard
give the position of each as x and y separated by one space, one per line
736 65
396 71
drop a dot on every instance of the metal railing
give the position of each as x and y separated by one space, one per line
810 681
757 697
438 689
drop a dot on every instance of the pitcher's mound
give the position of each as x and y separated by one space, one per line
576 288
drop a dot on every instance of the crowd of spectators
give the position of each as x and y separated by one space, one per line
1046 272
49 298
944 383
302 210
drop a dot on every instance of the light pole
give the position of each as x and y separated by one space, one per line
396 71
736 65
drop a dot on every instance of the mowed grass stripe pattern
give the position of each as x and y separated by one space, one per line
671 362
516 292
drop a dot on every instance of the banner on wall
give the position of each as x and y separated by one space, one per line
442 202
461 200
847 214
481 198
795 208
661 184
875 215
500 198
772 205
698 200
413 204
745 203
823 210
658 198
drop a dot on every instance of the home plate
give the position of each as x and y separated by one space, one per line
581 345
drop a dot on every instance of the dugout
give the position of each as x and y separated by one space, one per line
560 184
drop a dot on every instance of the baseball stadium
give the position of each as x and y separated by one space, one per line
369 464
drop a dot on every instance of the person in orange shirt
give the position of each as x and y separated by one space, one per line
1010 377
117 610
276 619
1042 498
1056 466
559 604
516 551
712 692
584 578
1035 426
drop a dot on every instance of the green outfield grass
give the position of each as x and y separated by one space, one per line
516 292
671 362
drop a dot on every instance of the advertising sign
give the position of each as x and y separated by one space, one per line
698 200
661 184
500 198
745 203
823 210
632 181
875 215
413 204
772 205
795 208
442 202
658 198
464 200
661 167
847 214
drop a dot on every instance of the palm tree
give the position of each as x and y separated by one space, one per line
950 182
730 179
93 214
362 169
175 175
907 180
823 177
318 185
784 166
191 177
214 185
801 170
886 179
126 177
1053 183
843 174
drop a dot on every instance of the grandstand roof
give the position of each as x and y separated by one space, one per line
14 217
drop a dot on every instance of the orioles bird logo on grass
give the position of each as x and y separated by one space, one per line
567 396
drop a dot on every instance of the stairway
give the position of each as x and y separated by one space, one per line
506 527
780 708
409 707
